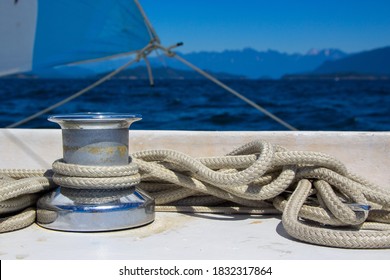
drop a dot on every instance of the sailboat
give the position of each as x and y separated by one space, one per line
38 40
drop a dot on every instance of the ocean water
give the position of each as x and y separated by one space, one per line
201 105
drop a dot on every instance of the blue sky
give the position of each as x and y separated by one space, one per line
287 26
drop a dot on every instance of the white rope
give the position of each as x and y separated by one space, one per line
322 203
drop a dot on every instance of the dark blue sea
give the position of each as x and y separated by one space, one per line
201 105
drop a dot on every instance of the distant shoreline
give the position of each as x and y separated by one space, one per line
336 77
168 73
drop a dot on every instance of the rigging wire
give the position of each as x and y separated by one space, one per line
143 53
237 94
79 93
150 72
229 89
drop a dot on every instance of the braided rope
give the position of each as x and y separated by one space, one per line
326 236
18 221
321 201
60 167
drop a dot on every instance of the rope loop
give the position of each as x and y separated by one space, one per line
95 177
217 178
60 167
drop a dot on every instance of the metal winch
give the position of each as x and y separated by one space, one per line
95 140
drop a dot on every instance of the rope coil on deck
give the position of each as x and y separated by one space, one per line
320 200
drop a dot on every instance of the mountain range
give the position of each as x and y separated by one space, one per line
315 64
367 65
255 64
375 62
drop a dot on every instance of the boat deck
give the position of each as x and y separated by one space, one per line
191 236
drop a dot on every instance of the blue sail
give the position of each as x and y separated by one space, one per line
38 35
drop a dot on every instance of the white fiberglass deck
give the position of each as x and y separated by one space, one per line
191 236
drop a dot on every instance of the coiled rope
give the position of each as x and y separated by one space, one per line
320 200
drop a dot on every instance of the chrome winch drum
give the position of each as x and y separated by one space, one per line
95 139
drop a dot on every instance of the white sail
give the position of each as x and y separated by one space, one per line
37 35
17 33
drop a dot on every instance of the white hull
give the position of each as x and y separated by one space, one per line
185 236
